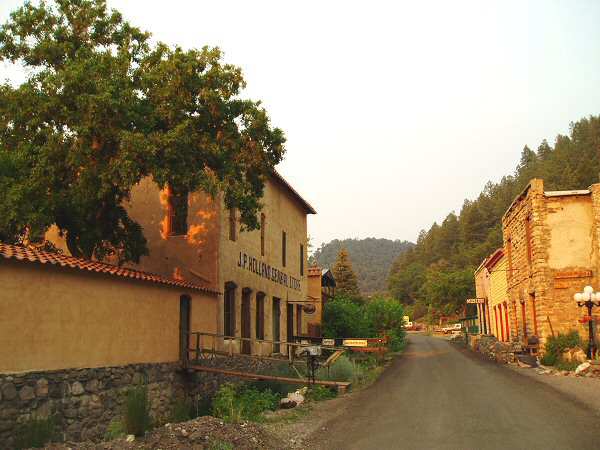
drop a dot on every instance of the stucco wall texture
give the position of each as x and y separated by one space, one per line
59 318
206 254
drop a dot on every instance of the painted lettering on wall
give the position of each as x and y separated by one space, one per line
264 270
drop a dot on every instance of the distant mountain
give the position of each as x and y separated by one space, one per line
371 259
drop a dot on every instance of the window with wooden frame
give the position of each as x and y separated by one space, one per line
283 248
263 224
298 320
232 224
501 322
177 211
528 239
229 310
509 256
496 321
301 260
506 321
260 315
524 319
534 314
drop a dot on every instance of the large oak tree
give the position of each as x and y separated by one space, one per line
103 107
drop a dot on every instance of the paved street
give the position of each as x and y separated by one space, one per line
439 397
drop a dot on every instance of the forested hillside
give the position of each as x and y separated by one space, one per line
438 272
371 259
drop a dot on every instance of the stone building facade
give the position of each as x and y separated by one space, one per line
551 245
321 288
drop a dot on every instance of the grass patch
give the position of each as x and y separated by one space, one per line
234 403
137 411
115 430
36 433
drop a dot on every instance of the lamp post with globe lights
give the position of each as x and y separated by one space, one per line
589 299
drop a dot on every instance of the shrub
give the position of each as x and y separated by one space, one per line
343 318
114 430
220 445
318 393
182 411
341 370
137 411
566 365
556 345
234 403
278 387
36 433
549 359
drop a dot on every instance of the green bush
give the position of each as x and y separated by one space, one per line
137 411
234 403
556 345
281 370
36 433
220 445
549 359
182 411
566 365
343 318
114 430
318 393
341 370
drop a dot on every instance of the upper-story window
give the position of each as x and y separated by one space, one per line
509 256
528 239
232 225
177 211
301 260
283 248
263 224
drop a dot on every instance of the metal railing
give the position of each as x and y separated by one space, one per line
202 345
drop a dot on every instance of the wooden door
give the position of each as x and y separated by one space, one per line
290 324
246 346
276 316
184 326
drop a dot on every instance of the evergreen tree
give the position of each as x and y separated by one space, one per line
437 274
345 279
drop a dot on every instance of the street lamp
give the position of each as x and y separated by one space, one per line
588 299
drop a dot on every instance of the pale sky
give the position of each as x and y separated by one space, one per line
395 112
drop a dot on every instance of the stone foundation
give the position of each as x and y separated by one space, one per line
84 401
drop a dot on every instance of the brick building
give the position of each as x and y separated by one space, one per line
551 243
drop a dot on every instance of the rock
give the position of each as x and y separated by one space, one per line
77 388
286 403
578 355
92 386
296 397
526 361
41 388
566 355
582 368
130 438
9 391
27 393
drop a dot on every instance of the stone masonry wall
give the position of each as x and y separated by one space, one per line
532 283
85 401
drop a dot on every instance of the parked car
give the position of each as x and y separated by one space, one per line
452 328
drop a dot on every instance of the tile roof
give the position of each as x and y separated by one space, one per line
20 253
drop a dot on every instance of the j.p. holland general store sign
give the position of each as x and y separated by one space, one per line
264 270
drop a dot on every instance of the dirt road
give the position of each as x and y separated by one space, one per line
438 397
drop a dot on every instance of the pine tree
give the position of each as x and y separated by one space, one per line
345 278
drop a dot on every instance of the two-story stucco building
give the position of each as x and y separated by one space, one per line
262 274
